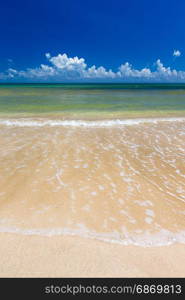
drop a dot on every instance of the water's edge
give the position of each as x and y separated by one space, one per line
39 122
161 238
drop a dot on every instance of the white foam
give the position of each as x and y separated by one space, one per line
101 187
148 220
27 122
94 193
150 212
143 203
143 239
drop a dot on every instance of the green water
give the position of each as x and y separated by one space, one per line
95 99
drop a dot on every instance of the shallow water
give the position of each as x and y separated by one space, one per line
93 99
116 180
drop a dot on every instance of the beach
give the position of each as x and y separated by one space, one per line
65 256
92 196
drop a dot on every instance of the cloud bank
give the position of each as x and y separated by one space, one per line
64 68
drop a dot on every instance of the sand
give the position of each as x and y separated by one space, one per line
69 256
119 182
104 179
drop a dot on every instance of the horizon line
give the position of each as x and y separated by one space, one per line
91 82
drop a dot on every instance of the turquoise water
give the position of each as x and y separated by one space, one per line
92 98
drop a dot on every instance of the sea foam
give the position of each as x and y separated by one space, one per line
28 122
145 239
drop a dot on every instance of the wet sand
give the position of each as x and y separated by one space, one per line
116 183
123 185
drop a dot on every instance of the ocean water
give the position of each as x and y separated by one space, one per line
95 100
98 161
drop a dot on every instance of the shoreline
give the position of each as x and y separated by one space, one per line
146 240
26 122
95 116
59 188
61 185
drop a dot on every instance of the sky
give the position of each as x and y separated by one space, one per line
85 40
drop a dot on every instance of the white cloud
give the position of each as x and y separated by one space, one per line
63 62
166 73
126 70
176 53
100 72
48 55
62 67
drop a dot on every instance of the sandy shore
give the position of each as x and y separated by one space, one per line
120 182
65 256
115 181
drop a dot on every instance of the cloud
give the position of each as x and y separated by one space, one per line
68 63
176 53
166 73
64 68
126 70
99 72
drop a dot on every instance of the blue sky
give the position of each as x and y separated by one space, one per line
85 40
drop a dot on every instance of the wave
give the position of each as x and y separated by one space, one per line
147 239
81 123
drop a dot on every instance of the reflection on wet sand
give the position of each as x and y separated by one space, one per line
122 183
